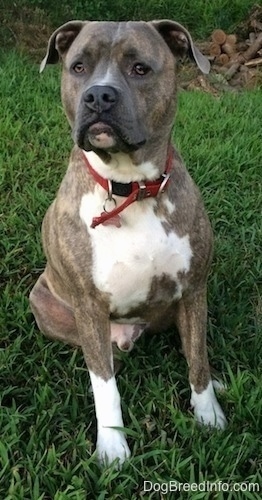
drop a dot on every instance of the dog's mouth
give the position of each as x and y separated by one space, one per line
101 136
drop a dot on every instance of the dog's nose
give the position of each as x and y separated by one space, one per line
100 98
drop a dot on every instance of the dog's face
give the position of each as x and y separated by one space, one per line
118 83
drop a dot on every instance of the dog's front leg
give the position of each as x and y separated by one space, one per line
191 318
94 332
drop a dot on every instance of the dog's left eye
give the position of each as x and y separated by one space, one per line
140 69
79 68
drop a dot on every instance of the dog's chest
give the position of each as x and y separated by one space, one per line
129 259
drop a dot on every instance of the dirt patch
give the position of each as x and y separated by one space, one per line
26 30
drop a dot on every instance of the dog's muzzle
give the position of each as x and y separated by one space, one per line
105 122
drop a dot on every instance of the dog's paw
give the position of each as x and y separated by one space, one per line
207 410
212 415
219 386
111 445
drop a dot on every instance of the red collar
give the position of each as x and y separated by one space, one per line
134 191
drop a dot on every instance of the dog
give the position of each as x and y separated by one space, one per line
127 240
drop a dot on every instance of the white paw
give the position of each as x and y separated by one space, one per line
207 410
111 444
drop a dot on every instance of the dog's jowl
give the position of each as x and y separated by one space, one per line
127 240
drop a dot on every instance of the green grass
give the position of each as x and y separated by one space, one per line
200 16
47 414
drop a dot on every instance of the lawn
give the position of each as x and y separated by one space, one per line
47 412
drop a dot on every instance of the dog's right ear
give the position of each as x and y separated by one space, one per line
60 41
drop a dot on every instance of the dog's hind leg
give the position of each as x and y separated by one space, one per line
191 319
53 316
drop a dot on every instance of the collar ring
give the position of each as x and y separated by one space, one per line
109 200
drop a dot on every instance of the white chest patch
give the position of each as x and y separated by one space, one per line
127 258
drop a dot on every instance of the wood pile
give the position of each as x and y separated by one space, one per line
232 55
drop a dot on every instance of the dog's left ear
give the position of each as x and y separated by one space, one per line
180 42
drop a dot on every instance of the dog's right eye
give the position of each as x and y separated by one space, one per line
140 69
78 68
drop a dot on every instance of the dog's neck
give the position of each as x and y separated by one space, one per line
121 168
132 191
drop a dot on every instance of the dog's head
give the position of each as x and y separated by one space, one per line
118 83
